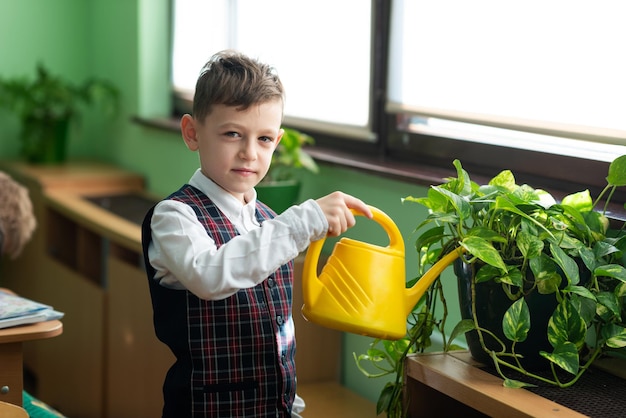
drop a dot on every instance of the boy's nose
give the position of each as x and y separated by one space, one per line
247 150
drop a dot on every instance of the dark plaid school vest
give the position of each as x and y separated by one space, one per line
234 357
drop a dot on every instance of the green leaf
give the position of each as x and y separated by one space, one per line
547 282
429 237
581 201
503 203
504 179
374 354
461 327
611 270
386 395
542 265
604 248
516 384
487 273
581 291
615 335
434 201
565 355
566 325
588 257
463 182
484 250
529 244
617 172
597 223
461 206
513 277
567 263
585 307
620 290
516 321
608 305
395 349
487 234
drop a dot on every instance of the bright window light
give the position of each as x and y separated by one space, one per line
553 68
320 49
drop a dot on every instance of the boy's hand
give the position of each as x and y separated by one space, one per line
336 206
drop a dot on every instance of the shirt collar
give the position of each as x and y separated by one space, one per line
227 203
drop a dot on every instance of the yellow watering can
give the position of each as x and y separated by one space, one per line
361 289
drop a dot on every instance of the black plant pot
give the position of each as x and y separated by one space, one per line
491 305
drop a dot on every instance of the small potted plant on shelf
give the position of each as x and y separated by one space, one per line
550 273
46 107
280 187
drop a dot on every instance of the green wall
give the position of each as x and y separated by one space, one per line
127 41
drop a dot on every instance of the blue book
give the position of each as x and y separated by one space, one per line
16 310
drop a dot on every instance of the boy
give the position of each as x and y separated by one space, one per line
219 262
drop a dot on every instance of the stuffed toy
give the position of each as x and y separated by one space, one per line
17 221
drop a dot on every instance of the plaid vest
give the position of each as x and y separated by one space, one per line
234 357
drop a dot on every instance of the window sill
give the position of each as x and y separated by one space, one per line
377 165
407 170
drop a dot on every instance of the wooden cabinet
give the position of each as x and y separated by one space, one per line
137 361
65 265
11 357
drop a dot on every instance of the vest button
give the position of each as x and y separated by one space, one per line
271 282
279 319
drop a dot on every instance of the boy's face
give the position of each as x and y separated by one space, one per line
236 146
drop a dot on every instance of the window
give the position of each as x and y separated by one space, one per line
534 86
321 50
468 69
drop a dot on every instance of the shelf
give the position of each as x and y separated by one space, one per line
452 384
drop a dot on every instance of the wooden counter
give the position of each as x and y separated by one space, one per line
450 385
78 177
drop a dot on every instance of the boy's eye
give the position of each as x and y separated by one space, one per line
265 139
232 134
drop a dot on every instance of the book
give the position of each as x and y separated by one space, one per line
16 310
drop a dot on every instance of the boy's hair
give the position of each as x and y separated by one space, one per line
233 79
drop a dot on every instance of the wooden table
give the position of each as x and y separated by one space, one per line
11 367
450 385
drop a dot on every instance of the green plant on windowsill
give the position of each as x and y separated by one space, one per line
280 188
520 246
290 156
46 107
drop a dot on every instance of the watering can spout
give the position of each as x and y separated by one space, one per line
415 293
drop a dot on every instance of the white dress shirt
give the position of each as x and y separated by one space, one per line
186 257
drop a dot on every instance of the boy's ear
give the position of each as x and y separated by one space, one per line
189 132
281 132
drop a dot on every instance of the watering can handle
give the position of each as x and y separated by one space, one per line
309 278
395 237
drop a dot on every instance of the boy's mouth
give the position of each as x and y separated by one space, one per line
244 171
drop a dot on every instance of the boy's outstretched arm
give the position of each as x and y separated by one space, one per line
336 207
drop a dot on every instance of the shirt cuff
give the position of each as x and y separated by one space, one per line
309 223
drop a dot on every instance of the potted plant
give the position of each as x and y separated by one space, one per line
46 107
280 187
519 244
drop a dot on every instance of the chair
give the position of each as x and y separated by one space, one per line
8 410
